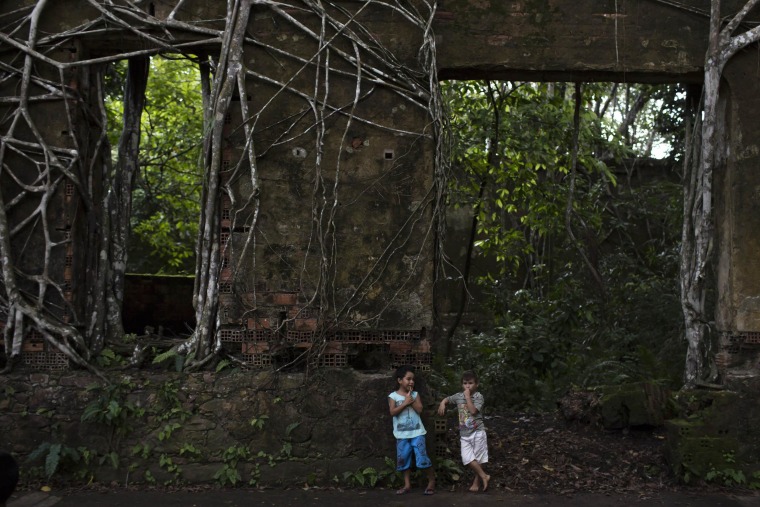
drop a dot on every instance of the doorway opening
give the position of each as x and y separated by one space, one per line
166 193
568 199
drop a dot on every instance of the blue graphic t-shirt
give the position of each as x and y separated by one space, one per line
407 423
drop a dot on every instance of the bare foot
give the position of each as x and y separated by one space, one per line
475 486
485 482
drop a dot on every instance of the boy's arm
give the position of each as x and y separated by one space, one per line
442 406
471 408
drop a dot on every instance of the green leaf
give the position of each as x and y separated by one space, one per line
160 358
52 460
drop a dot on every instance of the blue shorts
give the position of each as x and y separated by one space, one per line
405 447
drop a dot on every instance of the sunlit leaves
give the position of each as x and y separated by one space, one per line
607 294
166 200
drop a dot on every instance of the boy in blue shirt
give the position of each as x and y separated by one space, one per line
405 406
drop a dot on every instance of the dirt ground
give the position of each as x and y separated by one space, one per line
543 453
386 498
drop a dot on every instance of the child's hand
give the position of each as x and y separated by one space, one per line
442 408
409 399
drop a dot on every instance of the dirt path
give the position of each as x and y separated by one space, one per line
370 498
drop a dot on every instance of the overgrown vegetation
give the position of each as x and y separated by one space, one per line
167 194
579 239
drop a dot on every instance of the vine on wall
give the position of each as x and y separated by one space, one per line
65 204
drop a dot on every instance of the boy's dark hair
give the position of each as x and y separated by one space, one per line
8 476
470 375
403 370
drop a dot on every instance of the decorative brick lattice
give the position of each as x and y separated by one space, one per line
333 360
48 361
257 360
350 336
401 359
300 336
423 359
441 451
399 335
376 336
750 338
231 335
733 343
259 335
226 212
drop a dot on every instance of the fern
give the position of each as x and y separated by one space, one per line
166 355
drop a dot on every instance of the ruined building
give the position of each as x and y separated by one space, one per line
322 221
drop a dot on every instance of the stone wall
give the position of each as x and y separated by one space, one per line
272 429
715 434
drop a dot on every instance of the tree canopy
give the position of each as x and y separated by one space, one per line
582 240
166 199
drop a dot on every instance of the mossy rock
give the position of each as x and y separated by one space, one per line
696 456
714 434
634 405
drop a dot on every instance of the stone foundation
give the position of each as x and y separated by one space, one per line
230 428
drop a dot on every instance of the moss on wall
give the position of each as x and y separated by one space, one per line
230 428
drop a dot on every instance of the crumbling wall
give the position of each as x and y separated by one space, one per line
271 429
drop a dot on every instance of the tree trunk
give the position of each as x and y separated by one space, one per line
203 343
698 229
120 198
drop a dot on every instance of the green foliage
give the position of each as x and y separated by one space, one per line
167 194
112 409
141 450
513 153
165 462
190 449
367 476
167 431
258 422
108 358
390 476
726 476
112 458
582 266
448 470
222 365
60 457
171 405
169 354
229 474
